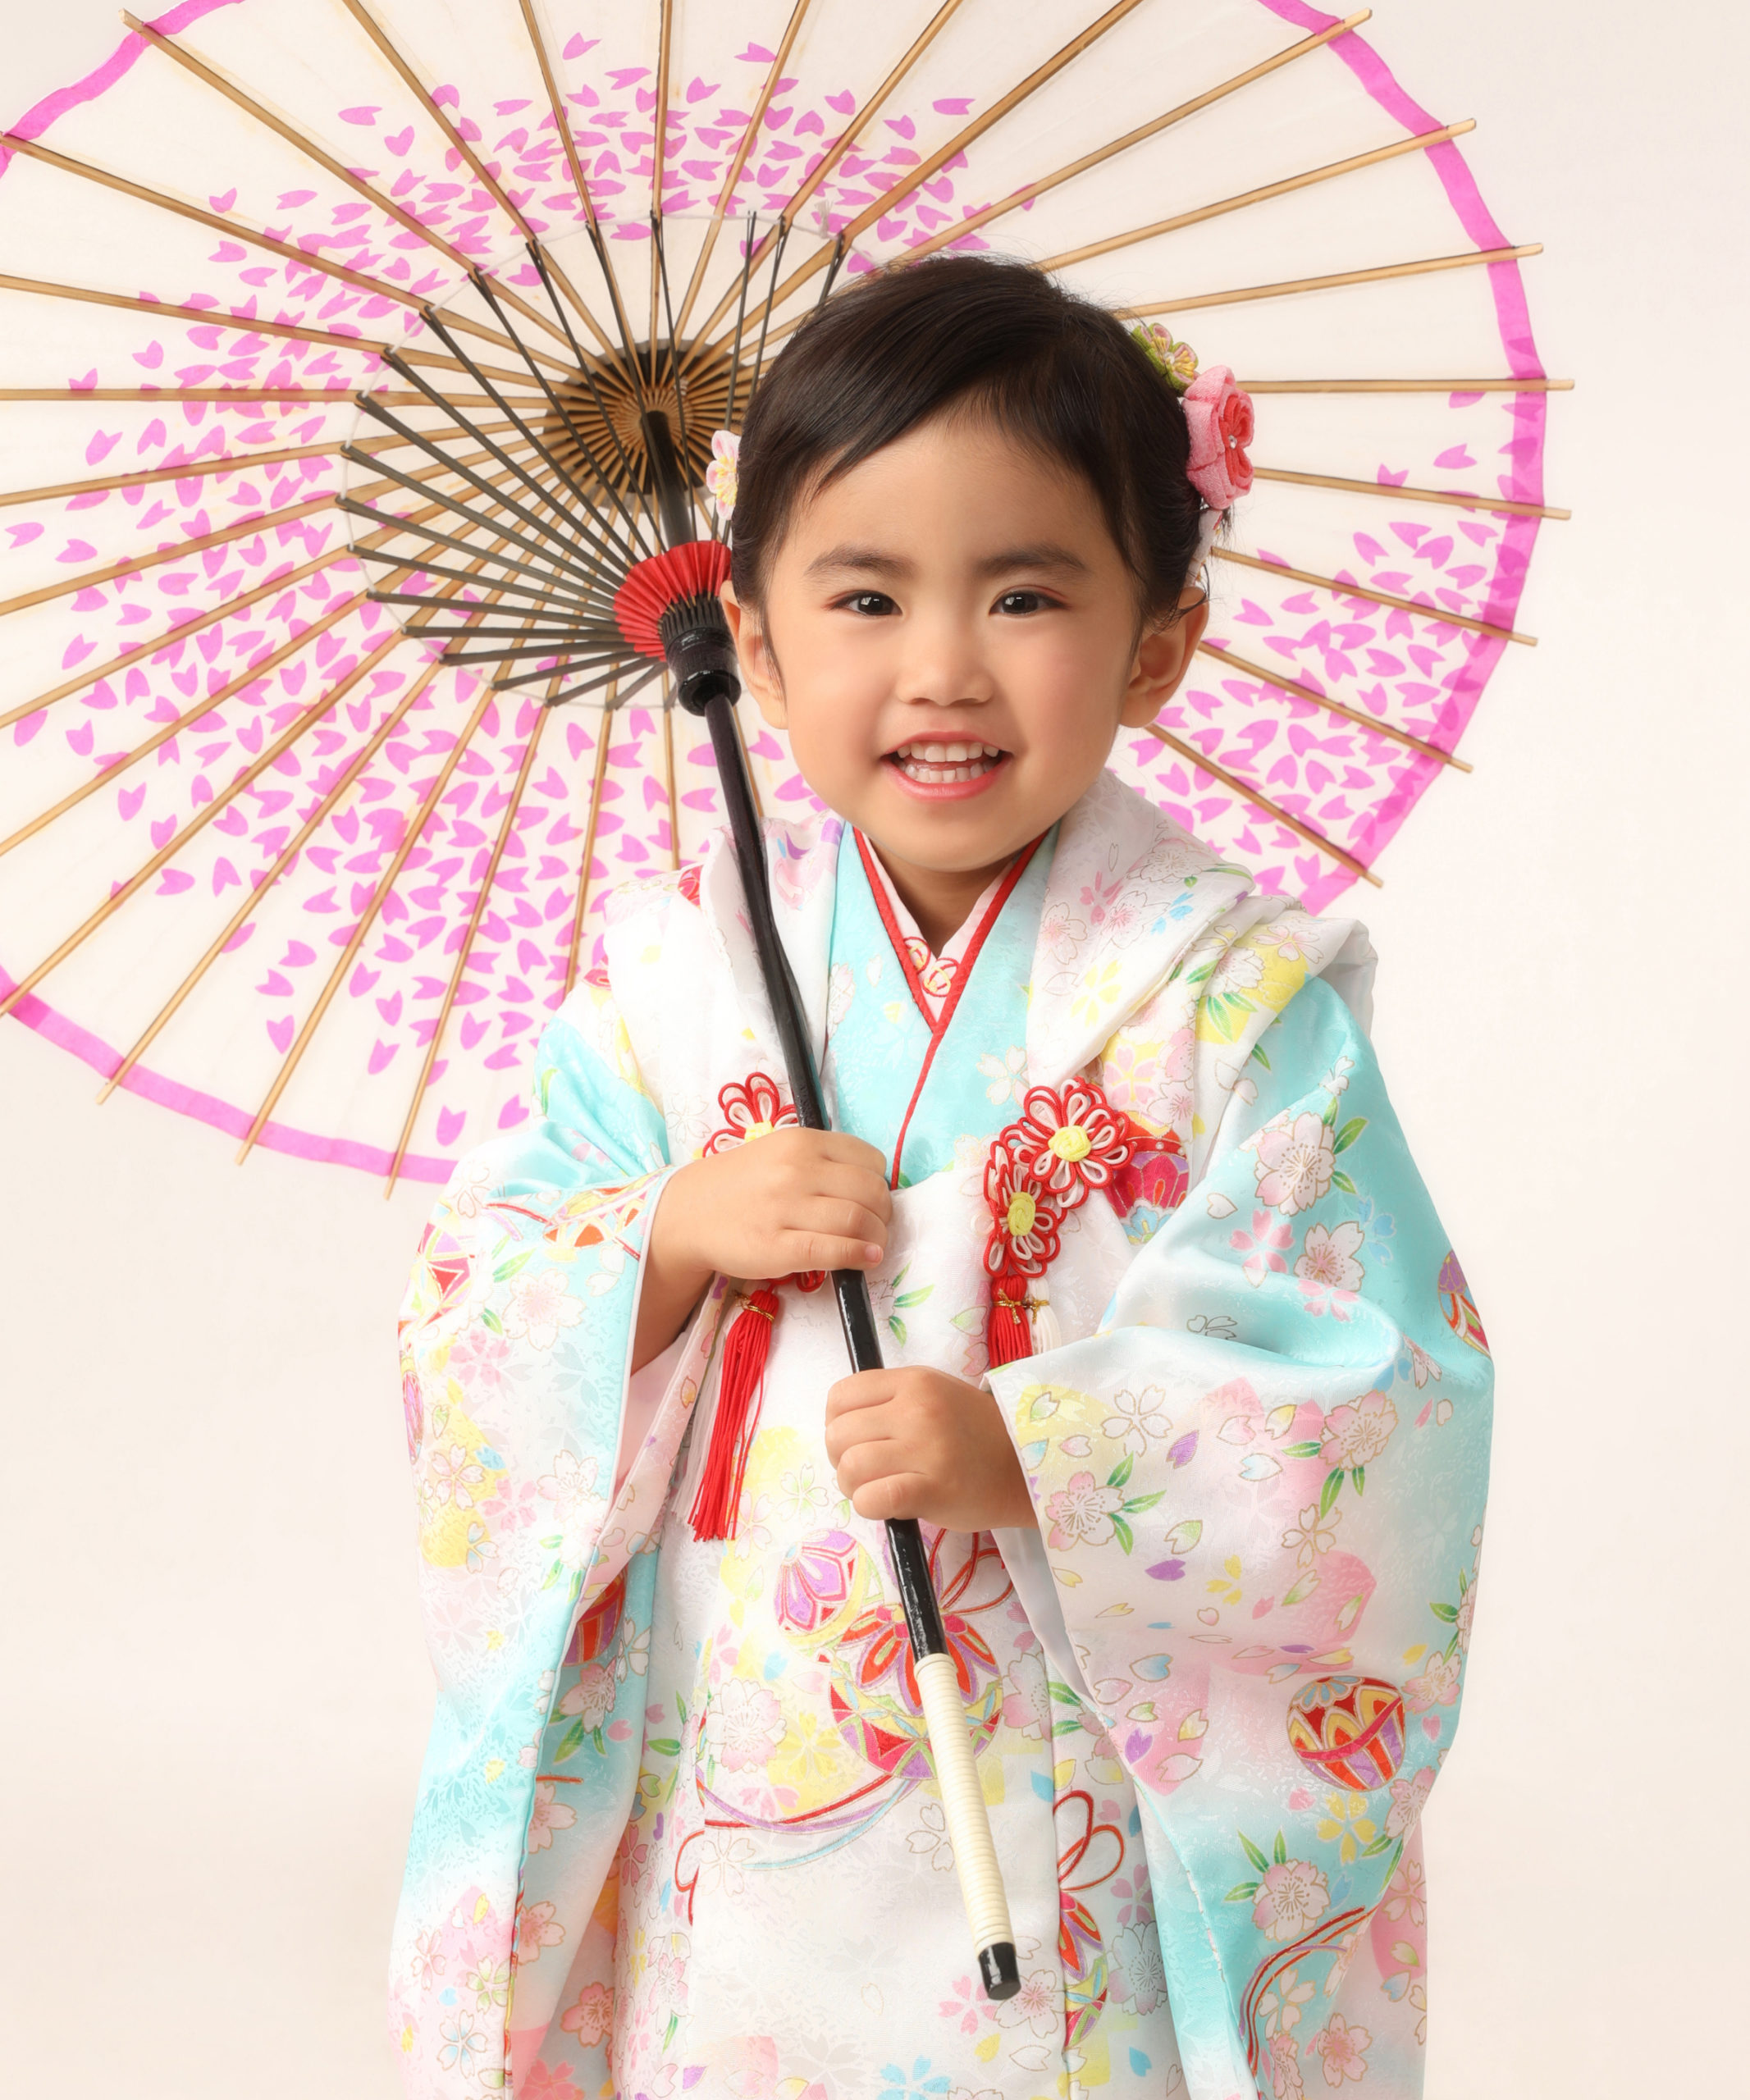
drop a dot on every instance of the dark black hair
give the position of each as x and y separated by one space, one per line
1055 372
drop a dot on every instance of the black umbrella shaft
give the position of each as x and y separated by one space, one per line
917 1595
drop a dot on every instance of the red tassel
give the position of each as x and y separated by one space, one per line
741 1386
1008 1336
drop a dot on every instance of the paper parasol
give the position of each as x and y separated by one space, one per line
270 859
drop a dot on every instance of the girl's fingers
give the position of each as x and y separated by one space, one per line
826 1250
897 1495
851 1185
844 1221
859 1453
852 1152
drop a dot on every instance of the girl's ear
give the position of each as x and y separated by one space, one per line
1163 656
759 667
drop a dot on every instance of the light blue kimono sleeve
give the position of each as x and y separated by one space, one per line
516 1335
1260 1489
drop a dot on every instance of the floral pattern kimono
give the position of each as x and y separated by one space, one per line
677 1831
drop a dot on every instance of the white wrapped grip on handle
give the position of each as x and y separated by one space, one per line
963 1803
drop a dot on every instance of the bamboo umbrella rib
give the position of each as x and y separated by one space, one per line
556 403
610 677
548 551
482 173
293 137
1407 385
1260 801
1247 199
343 390
211 316
188 470
1453 496
1371 596
659 143
1338 281
604 738
542 716
282 860
277 749
325 806
739 161
1029 191
200 705
360 933
264 520
828 162
1372 724
550 459
933 162
334 557
223 462
556 103
302 258
289 580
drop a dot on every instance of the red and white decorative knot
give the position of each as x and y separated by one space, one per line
1072 1140
753 1109
1068 1141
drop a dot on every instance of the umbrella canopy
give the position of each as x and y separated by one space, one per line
328 322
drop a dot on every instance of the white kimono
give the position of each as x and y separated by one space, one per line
678 1832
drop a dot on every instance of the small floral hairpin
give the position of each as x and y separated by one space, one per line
1177 363
1218 415
720 475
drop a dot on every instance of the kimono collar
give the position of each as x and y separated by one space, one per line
931 977
1130 893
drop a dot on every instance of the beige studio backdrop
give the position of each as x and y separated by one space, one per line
214 1690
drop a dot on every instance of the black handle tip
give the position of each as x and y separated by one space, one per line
1000 1970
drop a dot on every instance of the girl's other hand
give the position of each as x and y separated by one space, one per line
913 1442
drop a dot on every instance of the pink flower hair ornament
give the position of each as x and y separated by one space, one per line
1219 417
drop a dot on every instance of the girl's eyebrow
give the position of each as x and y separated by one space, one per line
871 561
862 560
1045 555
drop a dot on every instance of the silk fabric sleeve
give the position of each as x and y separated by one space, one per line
1260 1489
516 1335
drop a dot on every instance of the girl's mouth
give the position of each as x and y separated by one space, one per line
944 764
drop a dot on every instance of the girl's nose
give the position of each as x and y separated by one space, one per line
941 665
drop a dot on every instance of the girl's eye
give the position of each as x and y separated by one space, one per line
1016 602
869 604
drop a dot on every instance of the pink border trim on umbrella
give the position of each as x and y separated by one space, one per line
66 1034
1531 410
37 121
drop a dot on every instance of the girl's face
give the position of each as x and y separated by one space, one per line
950 638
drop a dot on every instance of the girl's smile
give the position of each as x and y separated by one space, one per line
943 771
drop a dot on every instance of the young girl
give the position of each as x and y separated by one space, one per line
1184 1382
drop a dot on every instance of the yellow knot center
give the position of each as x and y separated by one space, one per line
1071 1143
1023 1210
758 1131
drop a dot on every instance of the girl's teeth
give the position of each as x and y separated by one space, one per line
932 766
